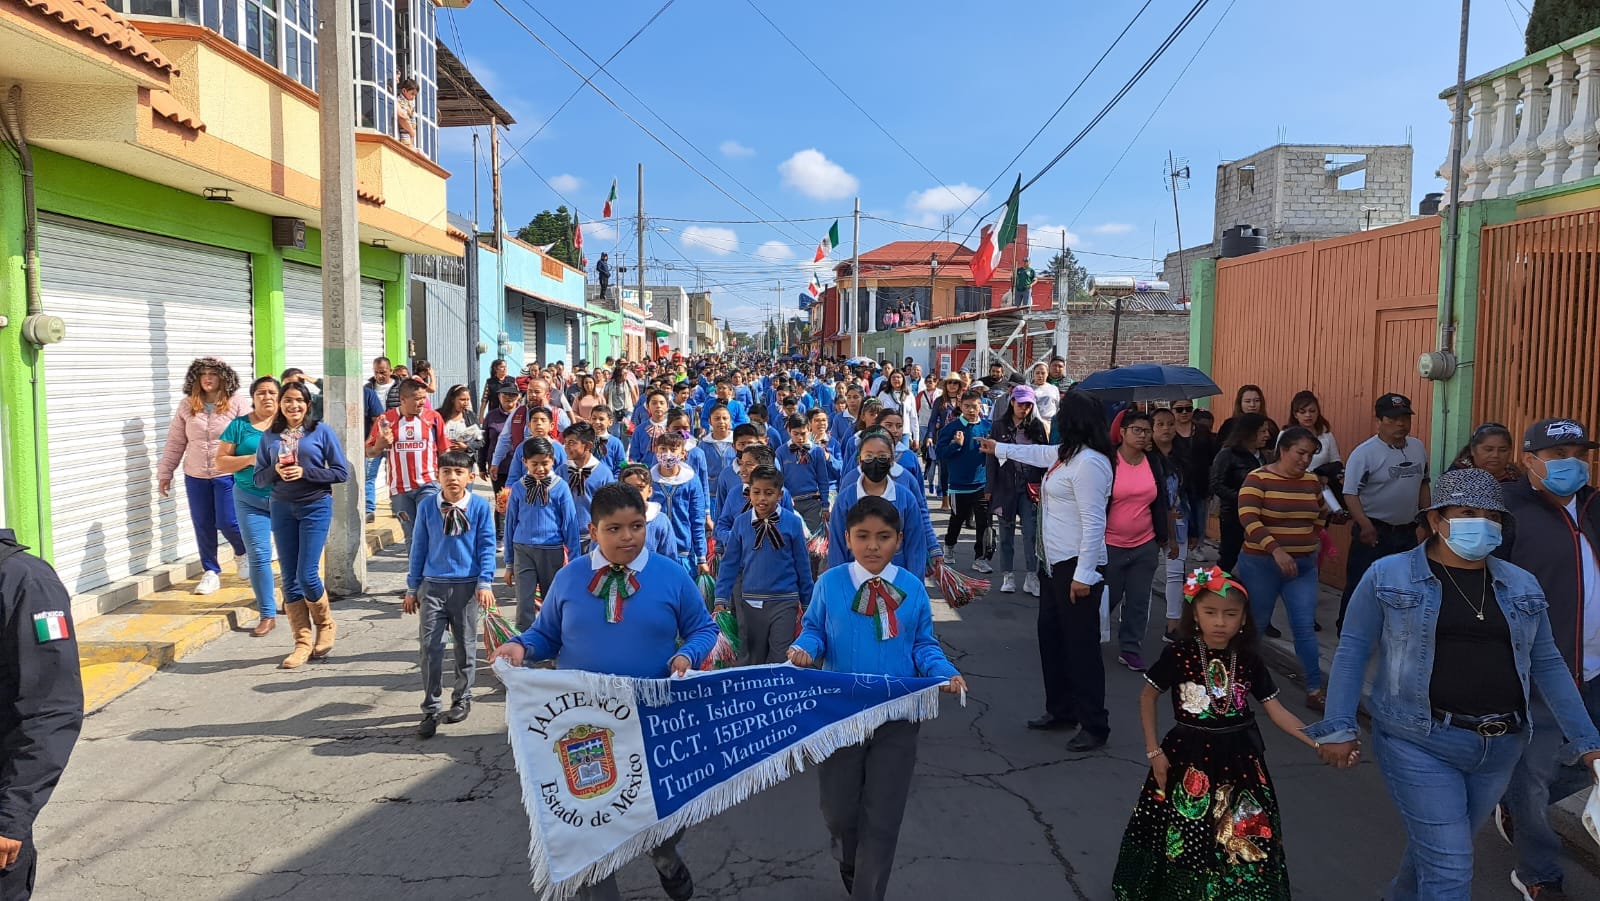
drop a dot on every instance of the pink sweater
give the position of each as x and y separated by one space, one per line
193 438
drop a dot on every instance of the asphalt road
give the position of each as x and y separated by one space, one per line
226 778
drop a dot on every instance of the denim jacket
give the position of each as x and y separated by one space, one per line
1395 610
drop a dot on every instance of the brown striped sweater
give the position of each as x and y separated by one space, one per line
1281 513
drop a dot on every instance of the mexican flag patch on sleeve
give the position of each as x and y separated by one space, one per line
50 625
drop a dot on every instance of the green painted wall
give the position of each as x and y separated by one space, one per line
1452 399
22 423
266 276
1202 316
893 343
394 318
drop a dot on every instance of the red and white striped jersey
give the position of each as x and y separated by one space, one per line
414 455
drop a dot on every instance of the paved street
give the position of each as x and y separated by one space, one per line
226 778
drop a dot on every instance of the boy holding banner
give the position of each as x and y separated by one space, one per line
870 616
622 610
767 548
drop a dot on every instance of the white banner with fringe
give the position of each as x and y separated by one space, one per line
613 766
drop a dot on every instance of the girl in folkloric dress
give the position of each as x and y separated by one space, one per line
1206 826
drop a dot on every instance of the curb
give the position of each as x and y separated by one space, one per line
150 623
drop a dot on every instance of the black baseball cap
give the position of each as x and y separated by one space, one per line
1392 404
1548 433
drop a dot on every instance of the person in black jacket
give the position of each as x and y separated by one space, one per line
41 704
1554 533
1240 456
1014 489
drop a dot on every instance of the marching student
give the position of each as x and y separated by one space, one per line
730 478
450 578
623 611
642 448
958 448
843 423
871 616
541 529
585 472
540 422
609 447
766 556
683 500
808 469
659 537
769 434
736 493
715 451
817 430
918 546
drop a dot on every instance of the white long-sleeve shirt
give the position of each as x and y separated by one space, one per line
1073 501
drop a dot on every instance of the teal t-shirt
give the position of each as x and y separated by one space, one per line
244 437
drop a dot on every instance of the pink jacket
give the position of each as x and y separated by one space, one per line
193 438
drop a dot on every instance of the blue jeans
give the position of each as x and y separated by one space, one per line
1261 579
1541 779
1011 508
1444 786
211 511
301 530
404 505
373 465
255 522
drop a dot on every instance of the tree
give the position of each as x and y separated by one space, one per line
1072 280
553 228
1554 21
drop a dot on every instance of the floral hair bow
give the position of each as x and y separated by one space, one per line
1206 579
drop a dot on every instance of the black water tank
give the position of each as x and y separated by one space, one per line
1430 204
1242 240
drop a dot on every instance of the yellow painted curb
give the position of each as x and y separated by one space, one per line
119 650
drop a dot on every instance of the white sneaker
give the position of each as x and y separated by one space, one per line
1031 584
981 565
209 583
1008 584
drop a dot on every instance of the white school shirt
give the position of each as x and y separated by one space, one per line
1073 500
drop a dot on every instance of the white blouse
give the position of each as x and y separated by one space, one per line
1073 501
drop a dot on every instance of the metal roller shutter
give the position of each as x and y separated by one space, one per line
445 311
302 318
139 309
532 337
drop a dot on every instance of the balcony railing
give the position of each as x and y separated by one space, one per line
1533 124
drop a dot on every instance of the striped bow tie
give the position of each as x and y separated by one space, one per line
538 490
578 480
455 519
767 531
746 507
879 599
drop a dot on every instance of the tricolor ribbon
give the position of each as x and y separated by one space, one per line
879 599
801 456
613 585
1212 579
538 490
455 519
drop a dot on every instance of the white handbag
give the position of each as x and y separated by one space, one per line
1591 810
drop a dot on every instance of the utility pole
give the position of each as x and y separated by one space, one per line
341 296
855 284
649 350
1178 180
499 232
1063 295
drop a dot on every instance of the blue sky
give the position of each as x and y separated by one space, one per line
962 86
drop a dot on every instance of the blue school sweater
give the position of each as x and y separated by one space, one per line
541 525
822 395
599 477
667 608
775 438
841 426
640 448
438 557
736 412
814 476
321 459
658 537
908 468
613 453
709 458
733 504
917 541
519 468
844 641
684 503
770 573
965 461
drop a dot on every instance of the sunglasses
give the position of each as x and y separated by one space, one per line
1184 409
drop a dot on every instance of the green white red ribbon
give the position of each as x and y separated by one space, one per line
879 599
613 585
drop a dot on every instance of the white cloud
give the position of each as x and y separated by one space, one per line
566 184
720 241
945 199
1113 228
774 251
736 149
818 177
1041 236
599 229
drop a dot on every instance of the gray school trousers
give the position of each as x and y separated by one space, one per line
664 857
766 632
535 566
864 791
447 607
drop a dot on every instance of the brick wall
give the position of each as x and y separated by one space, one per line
1144 337
1291 194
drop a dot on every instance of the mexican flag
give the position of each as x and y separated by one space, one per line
612 198
996 238
829 242
50 626
815 288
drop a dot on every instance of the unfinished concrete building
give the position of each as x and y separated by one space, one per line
1304 192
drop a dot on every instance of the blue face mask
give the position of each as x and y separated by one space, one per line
1565 475
1473 538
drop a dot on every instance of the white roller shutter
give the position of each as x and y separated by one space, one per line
532 340
139 309
302 319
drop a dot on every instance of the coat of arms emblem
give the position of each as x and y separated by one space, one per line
588 761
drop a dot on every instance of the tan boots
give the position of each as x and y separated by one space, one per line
299 613
322 618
